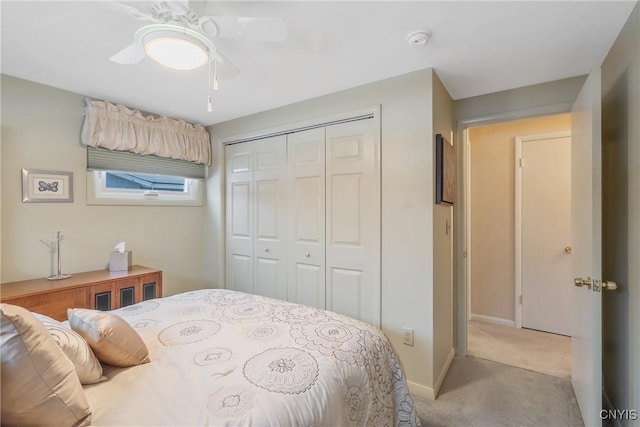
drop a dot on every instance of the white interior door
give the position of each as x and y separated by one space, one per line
586 342
270 217
545 229
306 163
239 214
353 220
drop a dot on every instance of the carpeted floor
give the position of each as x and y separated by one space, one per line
523 348
481 393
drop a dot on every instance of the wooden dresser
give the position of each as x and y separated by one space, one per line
99 290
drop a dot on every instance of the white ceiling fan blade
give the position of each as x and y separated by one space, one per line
264 29
122 8
226 69
131 54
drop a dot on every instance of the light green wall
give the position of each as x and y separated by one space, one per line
407 137
442 249
536 100
41 130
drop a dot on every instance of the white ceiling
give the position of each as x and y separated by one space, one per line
477 47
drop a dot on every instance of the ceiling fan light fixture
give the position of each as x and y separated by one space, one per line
175 47
176 53
179 48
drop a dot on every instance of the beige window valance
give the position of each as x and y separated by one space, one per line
117 127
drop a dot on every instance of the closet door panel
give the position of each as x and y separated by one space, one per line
239 213
346 204
306 180
268 276
240 273
345 288
308 209
309 284
270 217
353 220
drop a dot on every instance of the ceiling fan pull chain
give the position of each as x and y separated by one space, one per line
209 106
215 72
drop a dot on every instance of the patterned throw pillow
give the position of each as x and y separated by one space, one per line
87 365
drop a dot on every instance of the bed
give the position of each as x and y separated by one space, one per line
223 358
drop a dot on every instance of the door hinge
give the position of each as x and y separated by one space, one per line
521 299
521 162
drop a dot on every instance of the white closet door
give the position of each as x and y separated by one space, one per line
306 162
239 213
270 217
353 220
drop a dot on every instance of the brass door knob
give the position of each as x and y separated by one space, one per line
610 286
567 249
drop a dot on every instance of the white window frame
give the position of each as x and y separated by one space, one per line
99 194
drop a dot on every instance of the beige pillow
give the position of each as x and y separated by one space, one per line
87 365
112 339
39 384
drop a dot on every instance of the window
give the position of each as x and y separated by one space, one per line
139 181
127 188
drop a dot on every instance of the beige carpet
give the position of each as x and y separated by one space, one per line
480 393
523 348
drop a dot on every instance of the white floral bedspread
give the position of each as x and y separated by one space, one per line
225 358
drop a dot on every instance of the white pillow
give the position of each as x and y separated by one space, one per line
87 365
39 384
112 339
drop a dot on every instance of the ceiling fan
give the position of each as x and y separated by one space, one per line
179 21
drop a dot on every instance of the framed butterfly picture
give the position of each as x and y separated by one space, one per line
42 186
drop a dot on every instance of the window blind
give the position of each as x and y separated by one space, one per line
123 161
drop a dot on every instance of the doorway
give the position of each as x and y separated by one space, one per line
494 299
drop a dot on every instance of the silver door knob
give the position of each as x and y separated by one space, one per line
307 254
568 249
610 286
266 249
582 282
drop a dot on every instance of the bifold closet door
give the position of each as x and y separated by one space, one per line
239 217
256 211
270 217
306 163
353 220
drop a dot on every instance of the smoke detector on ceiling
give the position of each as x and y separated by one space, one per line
419 38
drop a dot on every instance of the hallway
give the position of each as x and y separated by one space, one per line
523 348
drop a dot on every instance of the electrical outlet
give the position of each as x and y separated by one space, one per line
407 336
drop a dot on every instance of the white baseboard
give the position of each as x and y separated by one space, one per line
443 373
428 392
495 320
421 390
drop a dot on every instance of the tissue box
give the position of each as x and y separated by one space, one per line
120 261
